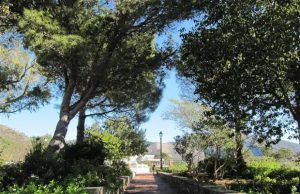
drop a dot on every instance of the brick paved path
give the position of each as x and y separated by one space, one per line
148 184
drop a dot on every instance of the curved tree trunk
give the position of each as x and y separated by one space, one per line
58 140
67 112
81 127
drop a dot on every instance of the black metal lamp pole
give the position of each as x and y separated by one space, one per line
160 135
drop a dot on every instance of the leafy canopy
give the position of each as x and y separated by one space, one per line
21 85
243 57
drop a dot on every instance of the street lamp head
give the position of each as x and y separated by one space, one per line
160 134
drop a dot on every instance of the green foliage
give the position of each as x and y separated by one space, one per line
133 138
21 84
120 138
42 141
7 17
209 134
269 176
264 167
73 169
177 168
188 147
283 154
218 168
187 114
114 55
53 187
121 168
92 150
10 174
242 59
43 165
111 143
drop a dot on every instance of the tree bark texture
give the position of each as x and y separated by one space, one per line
240 162
57 142
81 127
67 112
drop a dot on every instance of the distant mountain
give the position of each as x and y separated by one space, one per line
154 148
294 147
168 148
13 145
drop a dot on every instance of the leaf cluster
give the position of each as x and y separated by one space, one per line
21 84
242 57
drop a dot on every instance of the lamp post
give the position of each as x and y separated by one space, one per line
160 135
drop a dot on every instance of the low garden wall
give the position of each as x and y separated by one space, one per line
189 186
125 181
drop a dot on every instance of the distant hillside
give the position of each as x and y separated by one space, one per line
154 148
13 145
294 147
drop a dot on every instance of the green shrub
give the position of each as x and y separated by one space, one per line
92 179
96 175
89 150
176 168
264 167
39 163
75 167
227 169
53 187
264 187
11 174
269 176
258 168
284 173
121 168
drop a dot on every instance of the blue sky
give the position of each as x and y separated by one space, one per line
44 120
156 122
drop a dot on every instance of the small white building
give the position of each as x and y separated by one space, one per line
137 168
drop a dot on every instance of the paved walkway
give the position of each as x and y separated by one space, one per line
148 184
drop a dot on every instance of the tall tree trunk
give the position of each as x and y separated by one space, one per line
216 160
239 155
67 112
240 162
215 169
81 126
58 140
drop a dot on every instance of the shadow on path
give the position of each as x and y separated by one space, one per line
148 184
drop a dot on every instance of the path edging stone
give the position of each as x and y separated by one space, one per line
190 186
